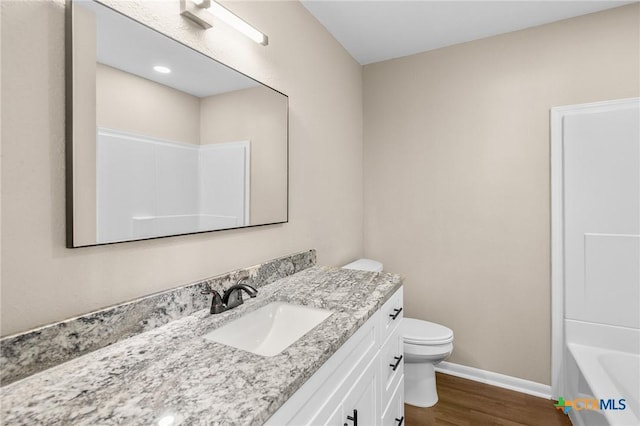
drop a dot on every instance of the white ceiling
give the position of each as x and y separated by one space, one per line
191 72
374 31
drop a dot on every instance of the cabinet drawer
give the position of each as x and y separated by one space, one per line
394 413
391 315
391 367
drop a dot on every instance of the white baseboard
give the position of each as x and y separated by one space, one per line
495 379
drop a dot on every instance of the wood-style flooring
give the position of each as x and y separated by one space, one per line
469 403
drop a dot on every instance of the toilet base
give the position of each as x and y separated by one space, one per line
420 384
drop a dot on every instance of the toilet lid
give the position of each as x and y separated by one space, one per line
424 332
365 265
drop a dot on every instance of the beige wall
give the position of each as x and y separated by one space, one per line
42 281
84 129
258 115
457 176
0 154
130 103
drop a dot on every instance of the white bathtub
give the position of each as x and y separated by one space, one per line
598 373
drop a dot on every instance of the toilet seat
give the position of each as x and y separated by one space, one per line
418 332
422 353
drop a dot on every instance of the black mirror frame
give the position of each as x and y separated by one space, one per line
69 183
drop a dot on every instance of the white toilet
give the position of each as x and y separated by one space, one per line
425 345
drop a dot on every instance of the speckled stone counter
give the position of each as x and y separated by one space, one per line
172 371
24 354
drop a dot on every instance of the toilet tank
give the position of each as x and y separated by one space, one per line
365 265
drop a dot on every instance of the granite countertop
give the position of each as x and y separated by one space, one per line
173 371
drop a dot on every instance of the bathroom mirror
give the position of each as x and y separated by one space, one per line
163 140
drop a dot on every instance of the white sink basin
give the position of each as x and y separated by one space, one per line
269 330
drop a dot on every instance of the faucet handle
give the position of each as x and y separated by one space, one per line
216 303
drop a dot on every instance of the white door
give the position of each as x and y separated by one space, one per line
602 215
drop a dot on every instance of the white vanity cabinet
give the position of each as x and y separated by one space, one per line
361 384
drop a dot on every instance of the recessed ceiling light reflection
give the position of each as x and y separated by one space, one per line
162 69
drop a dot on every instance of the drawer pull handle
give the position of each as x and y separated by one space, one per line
400 421
354 418
397 363
396 313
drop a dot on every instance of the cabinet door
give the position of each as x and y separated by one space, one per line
336 418
394 414
360 406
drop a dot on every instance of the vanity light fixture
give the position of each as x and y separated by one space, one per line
196 11
238 23
202 11
162 69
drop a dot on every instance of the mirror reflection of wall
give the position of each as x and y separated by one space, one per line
200 147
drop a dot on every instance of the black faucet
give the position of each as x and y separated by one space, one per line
233 296
217 306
